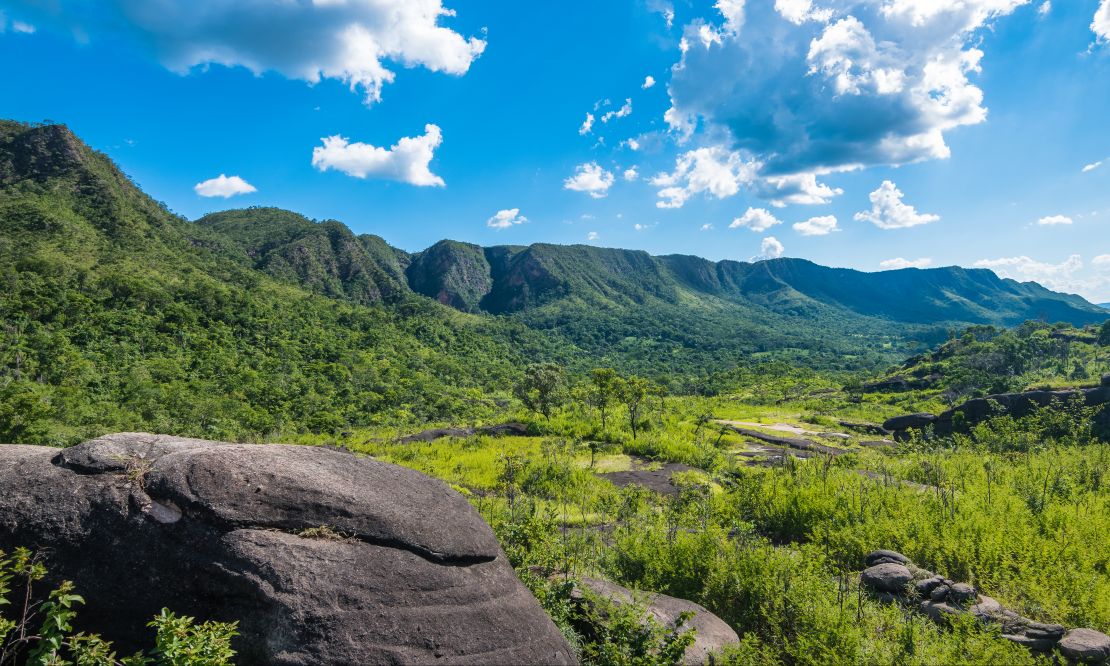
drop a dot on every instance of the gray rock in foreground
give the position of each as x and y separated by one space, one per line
409 573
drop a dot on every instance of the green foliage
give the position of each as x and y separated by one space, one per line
41 632
543 388
1104 334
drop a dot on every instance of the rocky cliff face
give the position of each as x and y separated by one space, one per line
323 557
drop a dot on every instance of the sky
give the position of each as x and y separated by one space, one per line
870 134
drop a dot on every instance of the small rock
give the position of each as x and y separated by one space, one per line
909 421
940 592
925 587
1036 644
886 577
1086 645
987 609
1056 630
888 557
961 593
940 612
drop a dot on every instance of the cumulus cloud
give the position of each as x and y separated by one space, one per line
756 219
709 226
504 219
592 236
1054 220
587 124
223 186
900 262
406 161
1101 23
817 226
631 173
1092 166
801 189
1101 261
770 248
352 41
1045 9
591 179
889 212
649 81
808 90
710 170
1068 276
625 110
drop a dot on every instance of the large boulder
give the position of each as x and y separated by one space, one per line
1086 646
886 577
711 632
321 556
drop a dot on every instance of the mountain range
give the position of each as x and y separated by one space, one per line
259 319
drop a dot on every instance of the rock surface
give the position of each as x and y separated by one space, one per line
407 573
886 577
1086 645
712 634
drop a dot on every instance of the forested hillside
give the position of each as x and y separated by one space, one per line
120 315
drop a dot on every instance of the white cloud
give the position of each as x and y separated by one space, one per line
770 248
625 110
25 28
1045 9
1101 23
797 189
347 40
707 226
1054 220
1092 166
756 219
587 124
406 161
504 219
644 227
591 179
631 173
888 211
800 11
632 144
592 236
805 90
900 262
817 226
711 170
1069 276
649 81
223 186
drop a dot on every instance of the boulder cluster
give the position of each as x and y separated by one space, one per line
892 577
1016 405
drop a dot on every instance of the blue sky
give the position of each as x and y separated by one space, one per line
859 133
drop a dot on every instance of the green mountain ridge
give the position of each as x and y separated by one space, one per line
119 315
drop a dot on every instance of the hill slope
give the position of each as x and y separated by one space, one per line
118 315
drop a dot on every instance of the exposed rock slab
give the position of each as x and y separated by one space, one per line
408 573
1086 646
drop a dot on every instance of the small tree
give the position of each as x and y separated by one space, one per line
634 391
604 390
543 388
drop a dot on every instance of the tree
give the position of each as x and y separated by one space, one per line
1104 334
634 391
543 389
603 390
